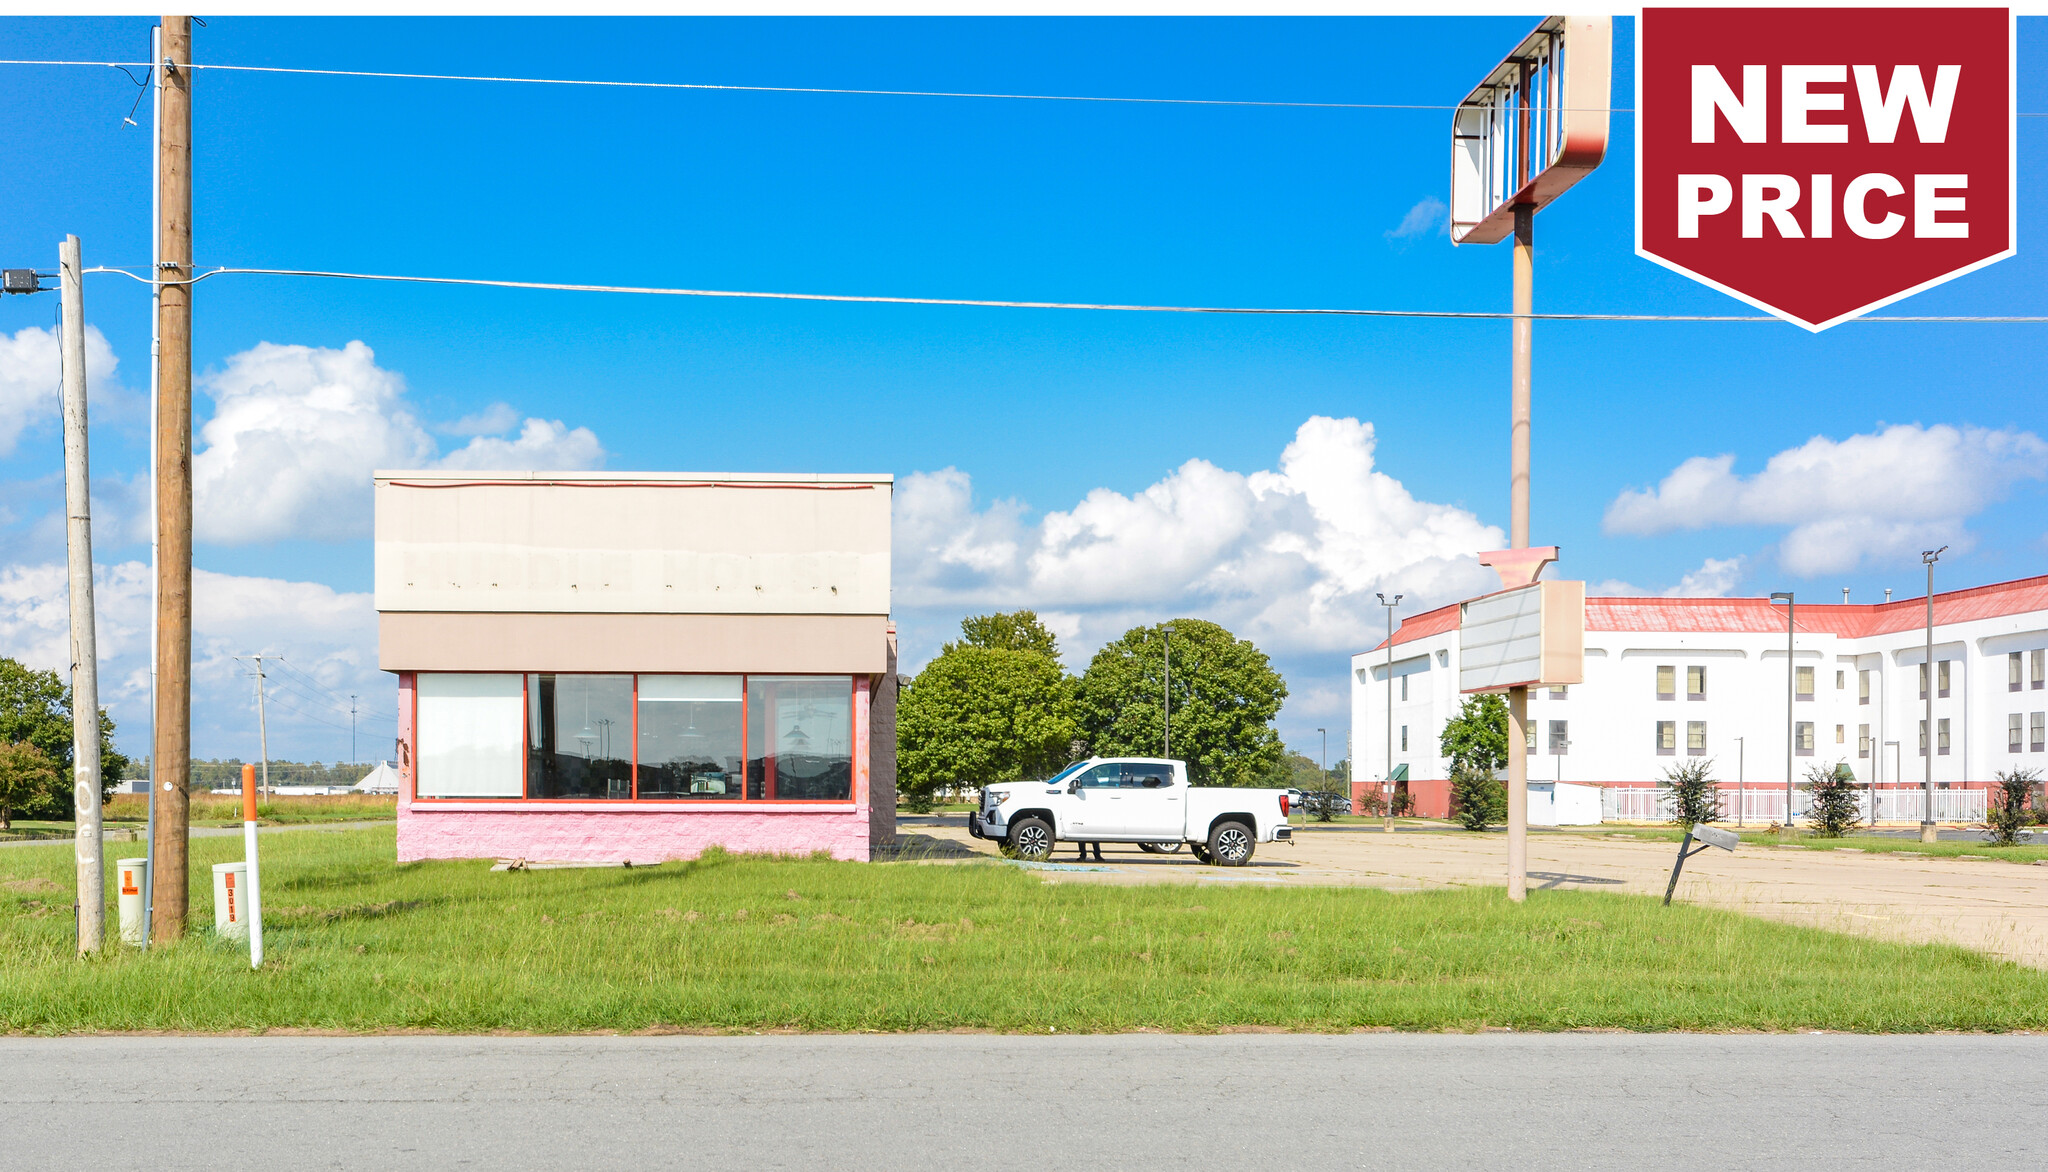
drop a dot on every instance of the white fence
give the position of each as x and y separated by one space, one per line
1763 806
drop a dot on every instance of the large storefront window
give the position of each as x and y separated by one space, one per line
707 738
579 736
799 738
691 737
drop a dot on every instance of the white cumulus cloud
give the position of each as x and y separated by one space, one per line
328 639
1715 578
1871 496
1289 558
30 372
297 430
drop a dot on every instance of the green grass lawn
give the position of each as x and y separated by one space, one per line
2025 852
730 943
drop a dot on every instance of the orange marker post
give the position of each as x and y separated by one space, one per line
254 895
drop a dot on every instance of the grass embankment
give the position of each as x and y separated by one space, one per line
729 943
2022 852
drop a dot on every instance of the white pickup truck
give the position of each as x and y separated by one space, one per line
1145 800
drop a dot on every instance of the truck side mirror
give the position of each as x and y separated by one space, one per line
1074 786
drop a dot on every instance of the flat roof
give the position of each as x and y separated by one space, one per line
484 476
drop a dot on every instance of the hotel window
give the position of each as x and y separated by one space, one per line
1863 686
1404 687
692 737
1404 738
1667 737
2013 672
800 738
1529 735
1841 734
579 736
1941 734
1941 678
1803 732
1667 682
2038 661
2014 737
2037 726
1923 681
1923 738
1695 738
1841 680
1802 682
1863 740
1559 740
1558 691
1695 683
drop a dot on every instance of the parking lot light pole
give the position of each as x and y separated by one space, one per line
1325 762
1387 787
1740 803
1785 596
1166 688
1927 742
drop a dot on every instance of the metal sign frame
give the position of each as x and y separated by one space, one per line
1530 636
1535 126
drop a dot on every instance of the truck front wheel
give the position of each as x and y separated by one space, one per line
1231 844
1030 839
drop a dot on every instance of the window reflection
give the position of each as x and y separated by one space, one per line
579 736
690 729
799 738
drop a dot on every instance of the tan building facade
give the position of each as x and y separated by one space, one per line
636 666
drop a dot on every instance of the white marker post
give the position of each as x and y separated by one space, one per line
255 893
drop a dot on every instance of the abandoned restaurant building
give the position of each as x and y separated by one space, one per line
638 666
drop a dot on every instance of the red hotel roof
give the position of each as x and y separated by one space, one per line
1760 615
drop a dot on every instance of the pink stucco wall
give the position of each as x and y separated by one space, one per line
637 833
633 835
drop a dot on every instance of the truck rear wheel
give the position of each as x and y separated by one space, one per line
1159 848
1231 844
1030 839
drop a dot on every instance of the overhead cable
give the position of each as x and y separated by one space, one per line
983 303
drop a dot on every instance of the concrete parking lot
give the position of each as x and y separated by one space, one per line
1987 904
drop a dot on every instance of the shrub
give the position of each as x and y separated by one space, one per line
1478 799
1404 803
1695 796
1835 808
2006 810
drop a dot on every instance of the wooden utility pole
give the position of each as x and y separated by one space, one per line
85 688
171 770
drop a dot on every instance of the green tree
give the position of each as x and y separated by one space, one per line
1834 808
1225 696
979 715
1477 738
35 707
1695 796
1478 799
1017 630
26 778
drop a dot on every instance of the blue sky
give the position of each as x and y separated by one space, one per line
1092 417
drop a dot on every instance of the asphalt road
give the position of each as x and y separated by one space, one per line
1575 1101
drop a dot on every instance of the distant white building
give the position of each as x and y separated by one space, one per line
1672 678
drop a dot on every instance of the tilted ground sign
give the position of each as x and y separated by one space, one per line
1821 163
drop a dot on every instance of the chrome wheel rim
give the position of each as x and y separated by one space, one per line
1233 844
1032 842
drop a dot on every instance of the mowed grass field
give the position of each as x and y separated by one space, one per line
729 943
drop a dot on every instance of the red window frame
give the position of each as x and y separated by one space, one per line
746 734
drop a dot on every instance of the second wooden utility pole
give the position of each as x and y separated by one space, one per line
171 765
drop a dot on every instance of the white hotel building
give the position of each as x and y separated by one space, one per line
1672 678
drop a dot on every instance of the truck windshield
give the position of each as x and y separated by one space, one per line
1064 774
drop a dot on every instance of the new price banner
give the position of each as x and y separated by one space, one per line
1819 163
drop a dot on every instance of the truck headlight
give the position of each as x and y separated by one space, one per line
993 798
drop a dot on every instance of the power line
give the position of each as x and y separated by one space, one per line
982 303
304 680
810 89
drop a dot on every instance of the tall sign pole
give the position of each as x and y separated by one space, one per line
171 765
1928 687
1535 126
85 687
